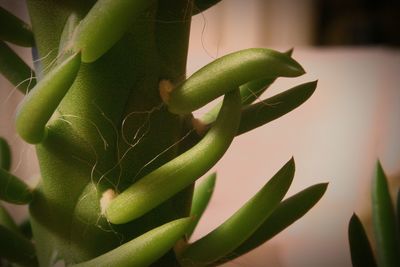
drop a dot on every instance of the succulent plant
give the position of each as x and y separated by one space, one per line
110 113
386 228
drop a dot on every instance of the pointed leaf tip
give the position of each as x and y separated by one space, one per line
243 223
360 248
201 197
384 220
287 212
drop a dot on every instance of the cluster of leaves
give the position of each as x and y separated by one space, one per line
386 228
242 77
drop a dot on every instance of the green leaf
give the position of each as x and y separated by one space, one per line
143 250
15 248
228 73
6 220
258 114
384 221
249 92
15 69
13 190
287 212
240 226
5 155
360 248
201 197
42 101
14 30
200 6
174 176
105 24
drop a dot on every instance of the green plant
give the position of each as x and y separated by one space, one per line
118 147
386 228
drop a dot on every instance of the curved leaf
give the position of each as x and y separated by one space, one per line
105 24
243 223
287 212
14 30
42 101
360 248
13 190
201 197
143 250
249 92
172 177
227 73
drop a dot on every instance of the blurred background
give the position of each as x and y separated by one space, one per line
352 48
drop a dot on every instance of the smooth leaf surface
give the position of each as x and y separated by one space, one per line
105 24
360 248
14 30
228 73
249 92
258 114
174 176
384 221
42 101
287 212
13 190
241 225
201 197
143 250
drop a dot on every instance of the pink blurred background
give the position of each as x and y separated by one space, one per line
336 136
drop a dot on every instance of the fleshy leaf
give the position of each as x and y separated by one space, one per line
241 225
287 212
105 24
5 155
360 248
201 197
384 221
13 190
249 92
14 30
228 73
143 250
174 176
42 101
258 114
15 69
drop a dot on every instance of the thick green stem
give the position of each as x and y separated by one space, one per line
110 130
